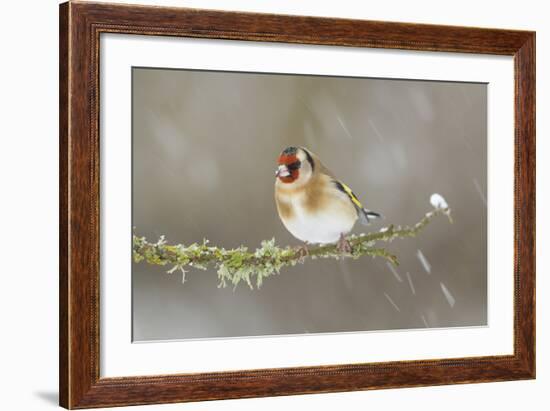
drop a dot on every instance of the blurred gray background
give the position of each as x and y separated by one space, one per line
205 146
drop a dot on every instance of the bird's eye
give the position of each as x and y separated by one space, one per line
294 166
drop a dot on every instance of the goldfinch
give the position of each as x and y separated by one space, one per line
312 204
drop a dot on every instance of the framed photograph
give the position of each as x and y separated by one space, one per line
258 205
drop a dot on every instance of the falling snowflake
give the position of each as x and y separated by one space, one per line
394 272
424 261
391 302
448 295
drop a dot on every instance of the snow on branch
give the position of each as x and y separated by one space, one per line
252 267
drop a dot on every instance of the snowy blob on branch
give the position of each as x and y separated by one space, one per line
437 201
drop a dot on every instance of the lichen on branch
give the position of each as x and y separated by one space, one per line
252 267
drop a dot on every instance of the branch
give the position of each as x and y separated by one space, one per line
239 264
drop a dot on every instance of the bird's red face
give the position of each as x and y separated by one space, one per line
289 165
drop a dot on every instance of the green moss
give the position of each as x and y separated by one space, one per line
240 265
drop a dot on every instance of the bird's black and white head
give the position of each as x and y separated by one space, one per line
295 166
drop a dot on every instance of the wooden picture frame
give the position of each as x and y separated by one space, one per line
80 27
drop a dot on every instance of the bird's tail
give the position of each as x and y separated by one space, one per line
367 215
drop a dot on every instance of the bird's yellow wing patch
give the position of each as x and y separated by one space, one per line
350 194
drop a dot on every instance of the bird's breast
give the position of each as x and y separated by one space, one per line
320 222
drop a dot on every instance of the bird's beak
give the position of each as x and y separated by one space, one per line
282 171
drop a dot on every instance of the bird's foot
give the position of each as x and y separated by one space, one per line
303 251
344 246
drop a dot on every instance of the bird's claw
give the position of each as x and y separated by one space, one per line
344 246
303 251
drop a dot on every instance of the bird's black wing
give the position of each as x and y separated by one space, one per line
364 215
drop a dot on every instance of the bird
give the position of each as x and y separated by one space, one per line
313 205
